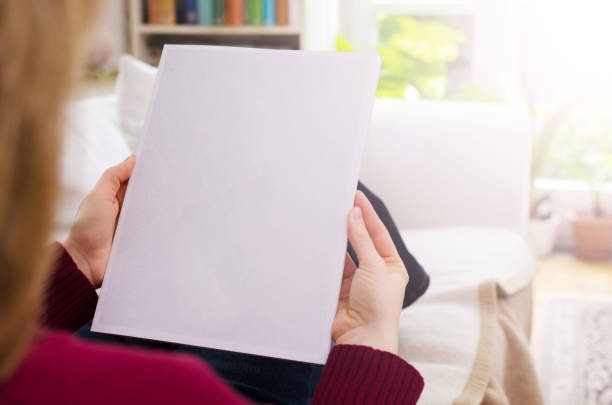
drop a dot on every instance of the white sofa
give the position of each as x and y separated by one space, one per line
454 176
441 163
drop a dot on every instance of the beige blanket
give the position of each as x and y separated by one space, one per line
503 371
468 334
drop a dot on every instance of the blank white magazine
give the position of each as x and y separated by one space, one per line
232 233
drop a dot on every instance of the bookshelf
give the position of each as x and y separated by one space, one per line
276 36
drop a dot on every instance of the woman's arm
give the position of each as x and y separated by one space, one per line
70 299
360 374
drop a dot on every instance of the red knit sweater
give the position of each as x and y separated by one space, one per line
61 369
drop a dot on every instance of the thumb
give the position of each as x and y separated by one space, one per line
114 176
360 239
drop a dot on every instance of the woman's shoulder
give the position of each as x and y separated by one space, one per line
61 368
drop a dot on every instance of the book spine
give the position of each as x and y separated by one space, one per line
246 14
191 12
206 12
218 8
145 12
171 12
282 12
233 12
181 15
256 11
167 13
269 12
154 11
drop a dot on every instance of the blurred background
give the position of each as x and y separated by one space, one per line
548 57
490 143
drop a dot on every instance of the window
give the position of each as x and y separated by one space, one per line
566 65
551 57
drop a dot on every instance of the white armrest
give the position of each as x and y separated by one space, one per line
440 163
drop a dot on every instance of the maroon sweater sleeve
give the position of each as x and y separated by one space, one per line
70 299
362 375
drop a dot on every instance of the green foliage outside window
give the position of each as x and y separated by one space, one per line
416 53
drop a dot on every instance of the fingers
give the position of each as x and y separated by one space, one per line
349 267
360 239
347 276
376 228
121 193
113 177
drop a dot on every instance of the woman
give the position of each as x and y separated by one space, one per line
40 359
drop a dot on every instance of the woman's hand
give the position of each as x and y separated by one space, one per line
91 234
371 295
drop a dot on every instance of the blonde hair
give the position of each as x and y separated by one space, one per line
39 50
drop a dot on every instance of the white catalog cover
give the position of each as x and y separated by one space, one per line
233 230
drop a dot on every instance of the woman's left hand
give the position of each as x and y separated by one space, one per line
91 234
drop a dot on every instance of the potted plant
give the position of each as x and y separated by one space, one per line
592 232
583 151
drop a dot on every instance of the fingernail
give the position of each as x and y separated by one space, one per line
357 217
129 157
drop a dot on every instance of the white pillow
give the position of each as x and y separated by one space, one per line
134 88
92 143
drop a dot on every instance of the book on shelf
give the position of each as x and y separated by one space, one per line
219 8
269 12
206 12
233 12
256 10
153 11
144 10
191 12
181 12
221 12
282 12
246 13
162 12
168 12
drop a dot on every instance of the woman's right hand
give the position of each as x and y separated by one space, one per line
371 295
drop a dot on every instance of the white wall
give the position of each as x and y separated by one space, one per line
495 47
111 31
321 24
357 23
